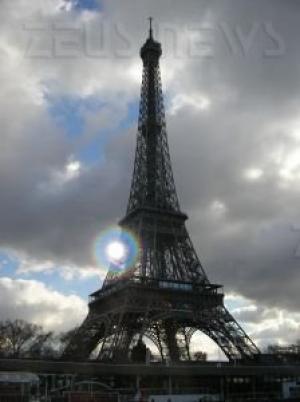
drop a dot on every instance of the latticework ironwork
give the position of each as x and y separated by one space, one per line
153 183
165 295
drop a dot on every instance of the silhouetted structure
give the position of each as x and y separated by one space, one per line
166 295
286 354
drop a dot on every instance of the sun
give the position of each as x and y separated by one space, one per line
115 251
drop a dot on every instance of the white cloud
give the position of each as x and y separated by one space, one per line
217 208
195 101
290 166
253 173
58 179
29 265
266 325
33 301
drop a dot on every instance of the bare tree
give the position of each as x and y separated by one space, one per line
23 339
64 338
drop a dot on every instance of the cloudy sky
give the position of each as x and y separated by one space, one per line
70 79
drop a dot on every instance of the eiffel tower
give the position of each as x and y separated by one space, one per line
165 295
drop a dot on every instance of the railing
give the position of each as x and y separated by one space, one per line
14 398
137 280
91 397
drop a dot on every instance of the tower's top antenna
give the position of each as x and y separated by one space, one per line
150 28
151 47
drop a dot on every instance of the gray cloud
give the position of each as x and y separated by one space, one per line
242 226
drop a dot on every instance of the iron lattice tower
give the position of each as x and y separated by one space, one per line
166 295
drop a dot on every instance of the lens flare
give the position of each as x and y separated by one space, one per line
116 250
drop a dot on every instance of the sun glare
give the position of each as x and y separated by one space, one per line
115 251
